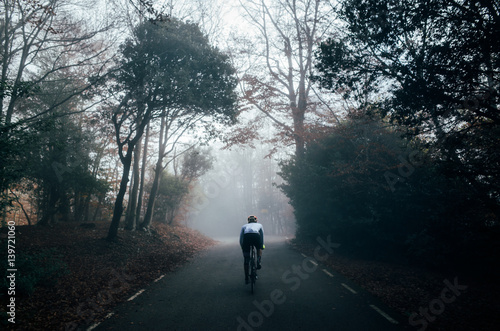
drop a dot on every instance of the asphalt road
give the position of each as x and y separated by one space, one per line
293 292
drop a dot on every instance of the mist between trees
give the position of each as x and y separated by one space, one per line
376 121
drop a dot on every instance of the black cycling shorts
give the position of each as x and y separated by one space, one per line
251 239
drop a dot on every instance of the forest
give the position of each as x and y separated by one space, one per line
382 117
373 121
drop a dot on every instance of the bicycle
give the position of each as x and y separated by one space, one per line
253 267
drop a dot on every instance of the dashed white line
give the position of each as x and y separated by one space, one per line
348 288
326 272
389 318
157 279
135 295
93 326
378 310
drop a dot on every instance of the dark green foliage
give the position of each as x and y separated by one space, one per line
171 64
43 268
434 67
379 195
51 155
17 150
64 171
338 187
169 70
438 54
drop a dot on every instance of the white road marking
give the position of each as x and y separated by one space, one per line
326 272
135 295
303 255
157 279
389 318
313 262
93 326
347 287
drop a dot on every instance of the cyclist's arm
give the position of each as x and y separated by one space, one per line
241 236
261 231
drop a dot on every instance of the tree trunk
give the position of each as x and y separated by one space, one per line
132 204
64 208
152 196
118 210
143 173
171 213
78 207
86 207
158 170
298 135
298 118
100 202
49 208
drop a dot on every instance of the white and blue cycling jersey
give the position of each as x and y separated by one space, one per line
252 228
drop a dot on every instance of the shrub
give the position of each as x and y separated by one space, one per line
381 195
37 269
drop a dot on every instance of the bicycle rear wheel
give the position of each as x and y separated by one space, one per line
253 269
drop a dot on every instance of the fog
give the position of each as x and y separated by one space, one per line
241 183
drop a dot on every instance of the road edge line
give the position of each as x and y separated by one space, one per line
327 272
136 295
381 312
348 288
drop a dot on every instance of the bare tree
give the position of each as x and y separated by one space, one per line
277 82
39 41
51 59
207 14
174 124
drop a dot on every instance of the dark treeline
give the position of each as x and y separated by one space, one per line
384 196
412 171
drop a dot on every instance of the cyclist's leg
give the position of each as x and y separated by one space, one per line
260 246
246 256
257 243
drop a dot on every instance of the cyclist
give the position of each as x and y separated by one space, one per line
252 234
